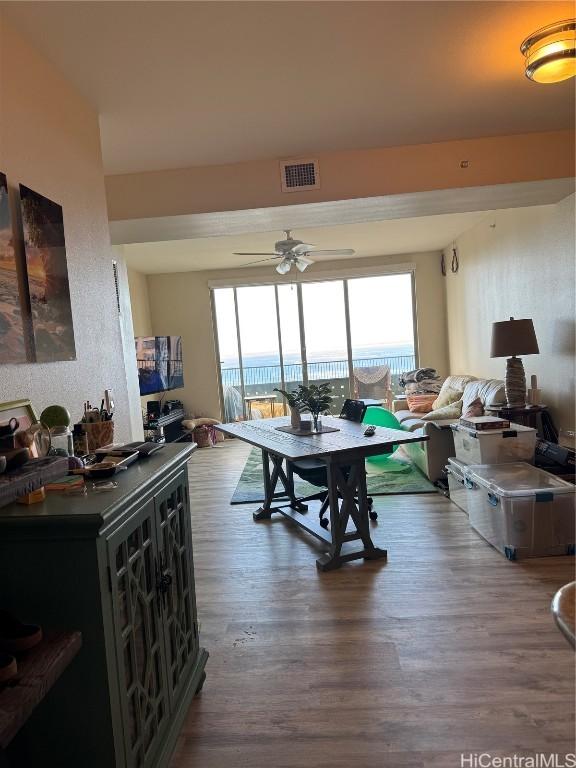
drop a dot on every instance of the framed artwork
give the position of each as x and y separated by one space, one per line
12 346
22 410
47 275
25 415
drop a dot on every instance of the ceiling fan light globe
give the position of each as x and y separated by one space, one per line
283 267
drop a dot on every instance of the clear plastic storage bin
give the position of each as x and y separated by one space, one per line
521 510
494 446
456 486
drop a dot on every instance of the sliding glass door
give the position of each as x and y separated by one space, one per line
326 338
356 334
227 344
381 333
290 336
259 347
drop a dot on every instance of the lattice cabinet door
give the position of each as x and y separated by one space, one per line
177 574
133 563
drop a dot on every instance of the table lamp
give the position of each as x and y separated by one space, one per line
511 338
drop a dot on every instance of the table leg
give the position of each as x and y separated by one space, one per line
348 499
265 511
271 481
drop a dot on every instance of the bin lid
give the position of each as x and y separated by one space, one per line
517 479
457 465
484 433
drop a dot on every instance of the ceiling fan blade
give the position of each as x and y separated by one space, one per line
256 253
302 263
336 252
258 261
302 248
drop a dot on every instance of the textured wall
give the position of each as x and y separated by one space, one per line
180 304
141 317
518 263
139 298
49 141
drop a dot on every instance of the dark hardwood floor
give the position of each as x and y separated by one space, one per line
445 648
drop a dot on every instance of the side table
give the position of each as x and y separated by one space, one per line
535 416
529 416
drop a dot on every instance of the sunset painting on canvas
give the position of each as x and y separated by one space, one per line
12 348
47 277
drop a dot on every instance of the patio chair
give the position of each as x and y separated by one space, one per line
374 382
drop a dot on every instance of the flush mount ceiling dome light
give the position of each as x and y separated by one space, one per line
550 52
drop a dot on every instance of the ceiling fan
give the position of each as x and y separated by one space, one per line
291 251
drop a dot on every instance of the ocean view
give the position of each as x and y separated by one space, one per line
332 364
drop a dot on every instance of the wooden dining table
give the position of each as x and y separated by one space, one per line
343 451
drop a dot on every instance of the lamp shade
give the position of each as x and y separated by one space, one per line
513 337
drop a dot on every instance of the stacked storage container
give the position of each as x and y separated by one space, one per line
521 510
495 446
456 483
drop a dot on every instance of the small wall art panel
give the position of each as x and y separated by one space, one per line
12 346
47 274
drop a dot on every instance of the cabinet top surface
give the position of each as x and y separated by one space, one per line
101 507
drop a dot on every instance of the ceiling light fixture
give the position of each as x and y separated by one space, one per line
283 267
550 52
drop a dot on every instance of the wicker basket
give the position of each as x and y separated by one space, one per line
206 436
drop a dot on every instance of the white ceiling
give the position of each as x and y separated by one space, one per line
199 83
375 238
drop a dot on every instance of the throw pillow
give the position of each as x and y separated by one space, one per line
420 403
450 411
475 408
446 396
201 421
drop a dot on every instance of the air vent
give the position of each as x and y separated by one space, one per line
116 286
299 175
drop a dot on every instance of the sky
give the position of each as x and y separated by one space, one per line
380 315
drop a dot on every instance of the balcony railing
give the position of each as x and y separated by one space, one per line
326 370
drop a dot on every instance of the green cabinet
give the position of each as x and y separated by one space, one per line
120 569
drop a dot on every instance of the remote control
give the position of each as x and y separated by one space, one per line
369 431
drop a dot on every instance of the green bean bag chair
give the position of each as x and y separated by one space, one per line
380 417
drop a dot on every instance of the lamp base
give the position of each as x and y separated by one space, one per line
515 383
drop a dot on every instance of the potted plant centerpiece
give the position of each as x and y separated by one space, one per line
315 398
293 404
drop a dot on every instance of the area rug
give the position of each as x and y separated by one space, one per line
384 476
